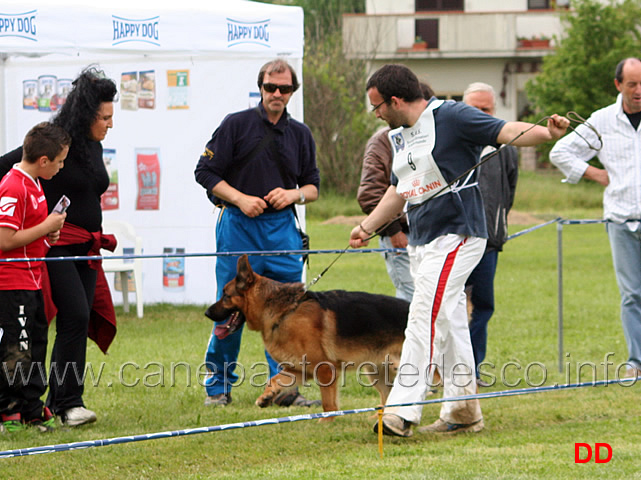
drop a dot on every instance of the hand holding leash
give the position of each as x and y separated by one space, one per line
557 126
360 237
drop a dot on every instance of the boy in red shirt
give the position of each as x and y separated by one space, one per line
26 231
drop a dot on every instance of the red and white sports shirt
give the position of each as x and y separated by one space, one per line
22 205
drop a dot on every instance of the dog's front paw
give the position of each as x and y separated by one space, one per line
265 400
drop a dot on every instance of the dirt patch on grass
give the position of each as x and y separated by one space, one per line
522 218
343 220
514 218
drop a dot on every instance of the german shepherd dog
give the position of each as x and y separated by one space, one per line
316 335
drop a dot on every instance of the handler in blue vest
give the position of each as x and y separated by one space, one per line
434 143
257 165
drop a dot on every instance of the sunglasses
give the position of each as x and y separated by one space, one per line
272 87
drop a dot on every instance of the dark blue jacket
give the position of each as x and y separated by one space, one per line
225 156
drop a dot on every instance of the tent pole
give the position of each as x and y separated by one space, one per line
4 111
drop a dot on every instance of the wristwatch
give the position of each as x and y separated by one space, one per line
301 198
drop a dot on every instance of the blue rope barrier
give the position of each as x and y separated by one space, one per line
201 254
531 229
601 220
583 222
275 252
21 452
266 252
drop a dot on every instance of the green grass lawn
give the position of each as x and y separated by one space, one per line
150 383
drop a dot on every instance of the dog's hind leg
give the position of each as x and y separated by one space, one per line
378 378
382 376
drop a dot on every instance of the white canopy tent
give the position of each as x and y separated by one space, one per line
180 69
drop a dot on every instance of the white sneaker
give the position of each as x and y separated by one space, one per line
78 416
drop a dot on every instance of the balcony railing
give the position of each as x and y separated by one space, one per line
449 35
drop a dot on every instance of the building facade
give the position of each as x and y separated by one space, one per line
452 43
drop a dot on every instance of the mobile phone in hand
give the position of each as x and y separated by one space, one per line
62 205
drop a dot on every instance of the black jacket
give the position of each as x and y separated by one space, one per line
498 177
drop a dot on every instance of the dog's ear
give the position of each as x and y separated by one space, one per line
244 275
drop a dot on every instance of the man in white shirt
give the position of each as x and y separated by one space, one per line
619 151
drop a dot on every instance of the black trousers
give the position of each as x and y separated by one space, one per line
23 351
73 284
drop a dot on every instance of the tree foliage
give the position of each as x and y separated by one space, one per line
335 102
336 112
323 16
579 76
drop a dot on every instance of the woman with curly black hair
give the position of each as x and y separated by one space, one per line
87 115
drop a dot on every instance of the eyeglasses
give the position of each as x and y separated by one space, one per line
272 87
375 107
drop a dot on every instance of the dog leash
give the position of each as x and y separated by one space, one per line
318 277
380 229
571 116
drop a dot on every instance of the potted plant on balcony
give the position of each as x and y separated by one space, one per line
538 41
419 44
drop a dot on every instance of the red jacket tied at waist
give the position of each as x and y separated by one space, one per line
102 320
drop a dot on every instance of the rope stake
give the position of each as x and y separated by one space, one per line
380 431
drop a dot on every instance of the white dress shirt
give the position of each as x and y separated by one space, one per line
620 155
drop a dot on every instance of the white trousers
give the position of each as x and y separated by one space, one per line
437 330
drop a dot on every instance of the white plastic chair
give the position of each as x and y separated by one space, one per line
126 236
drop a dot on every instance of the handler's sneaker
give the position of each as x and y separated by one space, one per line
77 416
287 399
11 423
46 423
395 425
440 426
220 400
482 383
632 372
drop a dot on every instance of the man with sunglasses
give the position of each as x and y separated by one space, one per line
258 164
436 146
620 155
